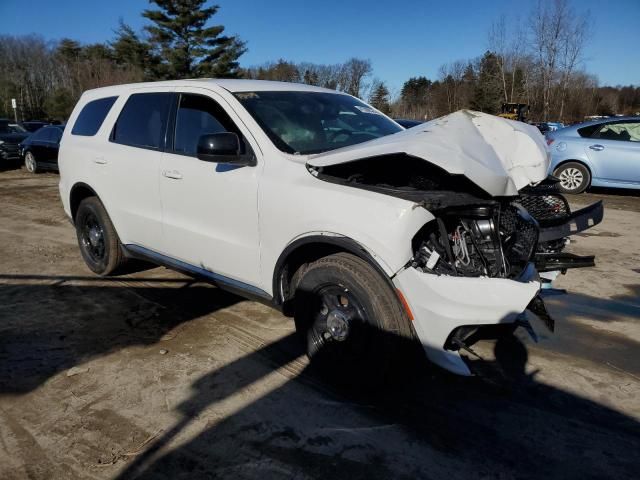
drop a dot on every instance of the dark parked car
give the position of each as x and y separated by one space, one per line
542 126
34 125
407 123
10 137
40 149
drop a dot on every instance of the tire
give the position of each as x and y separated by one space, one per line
30 162
351 320
99 243
574 177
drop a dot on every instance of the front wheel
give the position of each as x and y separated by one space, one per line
574 177
30 162
99 243
351 319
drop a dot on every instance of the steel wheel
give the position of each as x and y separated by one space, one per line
352 323
92 238
30 162
338 314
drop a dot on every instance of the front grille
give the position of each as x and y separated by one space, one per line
546 209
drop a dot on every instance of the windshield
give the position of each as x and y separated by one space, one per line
315 122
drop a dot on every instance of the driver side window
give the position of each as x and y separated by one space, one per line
198 115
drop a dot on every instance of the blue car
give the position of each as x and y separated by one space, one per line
603 153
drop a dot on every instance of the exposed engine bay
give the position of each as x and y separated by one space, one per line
474 234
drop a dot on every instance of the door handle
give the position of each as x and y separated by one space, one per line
174 174
596 147
100 160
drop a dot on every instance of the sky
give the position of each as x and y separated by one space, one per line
401 38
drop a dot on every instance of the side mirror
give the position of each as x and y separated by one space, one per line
223 147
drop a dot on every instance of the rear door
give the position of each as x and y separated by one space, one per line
615 149
53 145
37 144
210 210
129 163
48 148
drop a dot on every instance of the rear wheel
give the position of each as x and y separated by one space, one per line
30 162
574 177
99 243
351 320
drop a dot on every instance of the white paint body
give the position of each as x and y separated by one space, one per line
237 222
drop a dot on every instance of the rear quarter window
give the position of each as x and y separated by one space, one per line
91 117
589 130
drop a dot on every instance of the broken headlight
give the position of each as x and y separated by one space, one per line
493 241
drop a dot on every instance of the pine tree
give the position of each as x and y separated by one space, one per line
380 98
188 47
130 50
487 95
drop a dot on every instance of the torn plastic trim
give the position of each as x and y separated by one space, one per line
575 223
551 262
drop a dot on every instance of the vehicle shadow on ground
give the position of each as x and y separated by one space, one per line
504 424
414 422
49 328
417 423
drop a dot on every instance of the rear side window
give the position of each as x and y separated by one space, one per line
40 135
56 135
589 130
91 117
143 120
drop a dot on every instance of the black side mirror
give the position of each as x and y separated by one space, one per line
223 147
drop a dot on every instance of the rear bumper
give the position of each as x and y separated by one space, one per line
440 304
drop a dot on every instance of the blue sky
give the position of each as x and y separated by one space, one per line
402 38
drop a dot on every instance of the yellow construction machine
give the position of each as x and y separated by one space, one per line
515 111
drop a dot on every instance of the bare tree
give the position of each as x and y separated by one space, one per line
558 38
354 72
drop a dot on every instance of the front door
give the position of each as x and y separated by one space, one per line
209 210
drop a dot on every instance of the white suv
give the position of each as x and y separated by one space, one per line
319 204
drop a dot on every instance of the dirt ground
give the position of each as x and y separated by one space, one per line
153 375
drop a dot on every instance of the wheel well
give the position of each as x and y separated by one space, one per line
78 193
575 161
307 250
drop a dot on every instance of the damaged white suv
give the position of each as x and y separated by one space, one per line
317 203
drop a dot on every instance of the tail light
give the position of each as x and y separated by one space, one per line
550 141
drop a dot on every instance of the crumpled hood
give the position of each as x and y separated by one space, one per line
500 156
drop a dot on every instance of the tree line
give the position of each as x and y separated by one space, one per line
537 62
